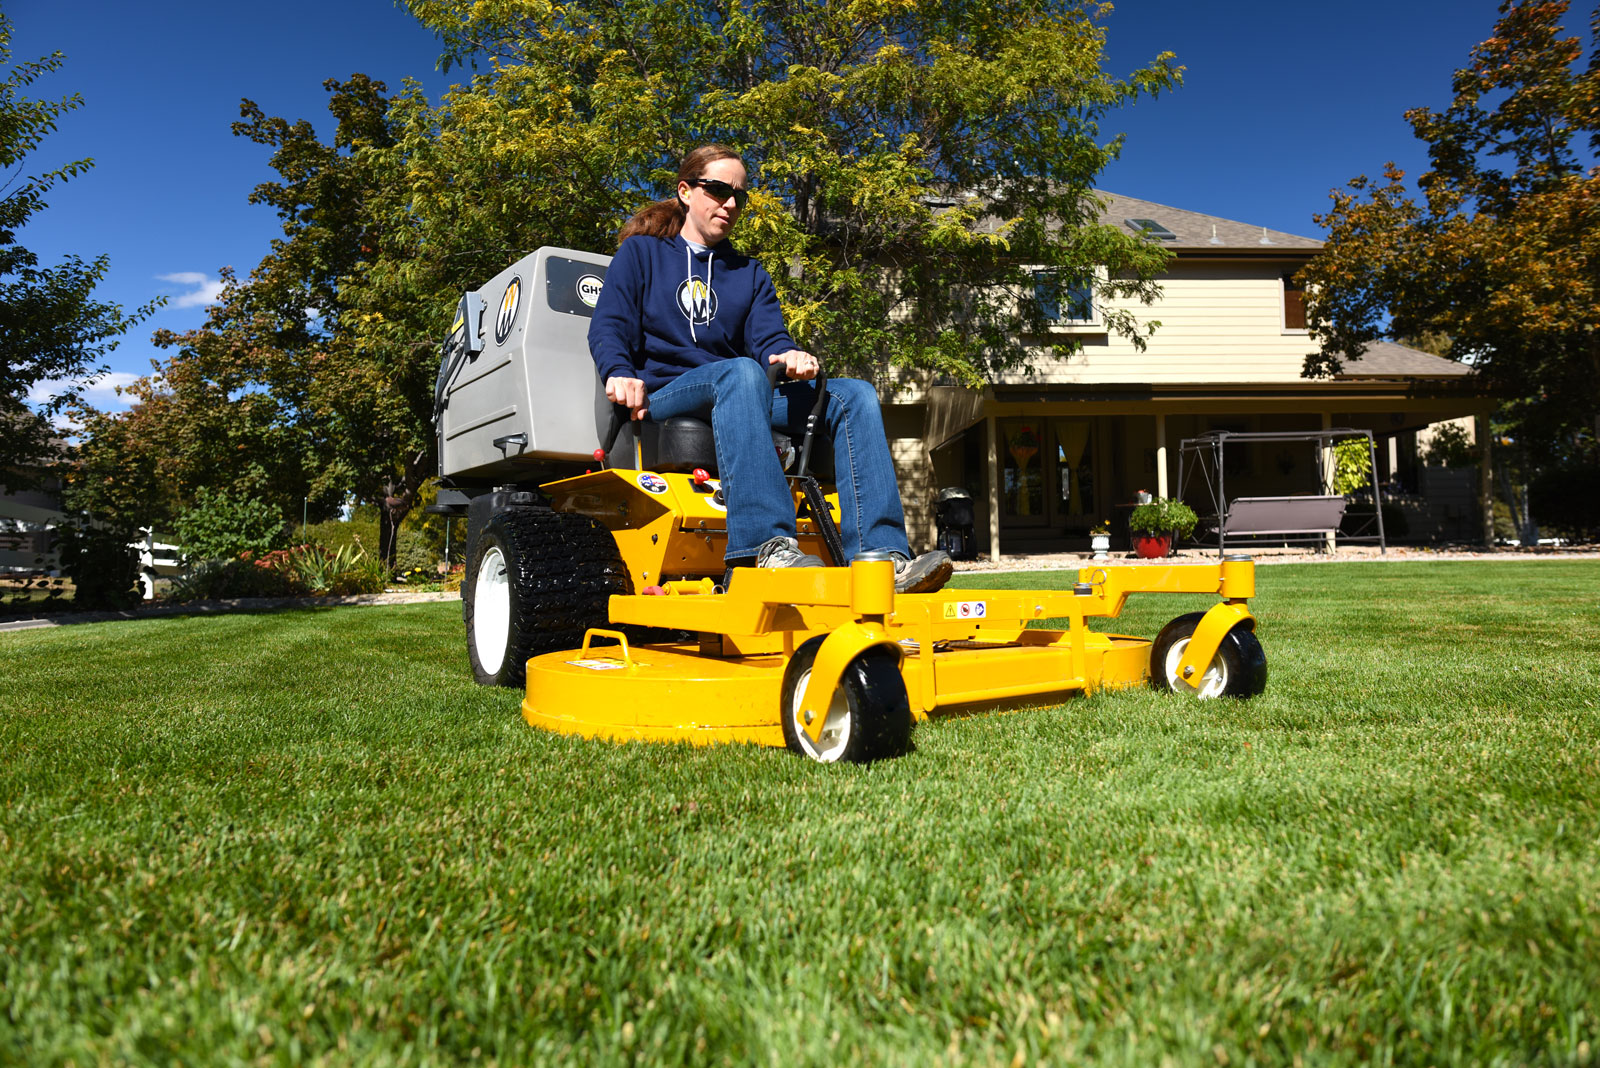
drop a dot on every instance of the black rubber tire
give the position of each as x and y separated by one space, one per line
560 571
1241 662
877 712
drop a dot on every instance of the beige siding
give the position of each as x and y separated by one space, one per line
1220 322
918 492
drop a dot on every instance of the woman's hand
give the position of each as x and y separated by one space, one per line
628 391
796 364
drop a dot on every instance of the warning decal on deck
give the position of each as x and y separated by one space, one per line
597 665
966 609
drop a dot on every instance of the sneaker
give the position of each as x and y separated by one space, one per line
784 552
925 574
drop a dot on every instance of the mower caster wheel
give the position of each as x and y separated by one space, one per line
1239 669
869 717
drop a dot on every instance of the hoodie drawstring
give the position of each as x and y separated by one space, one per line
688 270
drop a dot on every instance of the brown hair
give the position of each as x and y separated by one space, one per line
664 218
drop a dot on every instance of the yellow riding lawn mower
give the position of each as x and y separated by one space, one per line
595 574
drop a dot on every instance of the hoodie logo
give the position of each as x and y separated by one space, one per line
697 301
508 310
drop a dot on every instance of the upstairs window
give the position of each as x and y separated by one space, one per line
1064 301
1294 304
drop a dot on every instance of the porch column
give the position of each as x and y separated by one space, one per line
1161 455
1328 468
994 487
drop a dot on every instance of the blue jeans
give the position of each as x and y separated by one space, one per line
733 395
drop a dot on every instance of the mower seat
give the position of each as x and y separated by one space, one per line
684 443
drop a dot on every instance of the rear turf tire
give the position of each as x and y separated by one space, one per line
535 581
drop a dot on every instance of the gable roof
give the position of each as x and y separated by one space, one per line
1196 232
1386 359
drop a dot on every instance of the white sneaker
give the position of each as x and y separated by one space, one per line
784 552
925 574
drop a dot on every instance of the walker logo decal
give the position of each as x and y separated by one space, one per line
966 609
598 665
652 483
589 289
697 301
508 311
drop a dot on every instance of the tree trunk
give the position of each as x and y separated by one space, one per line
399 496
393 508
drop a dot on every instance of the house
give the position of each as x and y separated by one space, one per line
26 516
1047 456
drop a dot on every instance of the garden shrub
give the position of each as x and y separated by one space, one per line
103 564
300 571
1566 501
415 552
220 526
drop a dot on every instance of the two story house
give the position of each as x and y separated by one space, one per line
1049 455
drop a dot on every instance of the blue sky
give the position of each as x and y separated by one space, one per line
1282 102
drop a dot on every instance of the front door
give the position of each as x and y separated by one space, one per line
1048 472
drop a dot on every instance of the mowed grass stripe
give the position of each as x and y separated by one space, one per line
308 836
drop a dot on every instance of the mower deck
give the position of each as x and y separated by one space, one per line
955 649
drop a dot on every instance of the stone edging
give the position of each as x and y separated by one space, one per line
212 608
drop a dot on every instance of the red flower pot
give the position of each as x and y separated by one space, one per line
1152 546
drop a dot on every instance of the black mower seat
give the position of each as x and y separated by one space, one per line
684 443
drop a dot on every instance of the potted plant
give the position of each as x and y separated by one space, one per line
1154 526
1100 540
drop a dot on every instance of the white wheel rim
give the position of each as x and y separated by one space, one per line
836 728
1212 684
491 610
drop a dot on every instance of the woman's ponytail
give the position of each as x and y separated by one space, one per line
665 218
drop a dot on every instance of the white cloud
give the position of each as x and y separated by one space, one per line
102 392
203 290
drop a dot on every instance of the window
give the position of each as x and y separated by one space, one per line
1063 302
1294 304
1150 228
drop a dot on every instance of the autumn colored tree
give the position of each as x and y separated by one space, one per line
52 329
1499 260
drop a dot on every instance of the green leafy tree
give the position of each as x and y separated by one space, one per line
266 401
1498 263
917 165
52 330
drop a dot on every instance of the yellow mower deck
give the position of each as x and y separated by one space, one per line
956 648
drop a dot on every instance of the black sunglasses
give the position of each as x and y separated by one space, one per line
720 191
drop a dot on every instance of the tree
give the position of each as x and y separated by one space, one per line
1500 262
266 400
917 162
52 330
918 165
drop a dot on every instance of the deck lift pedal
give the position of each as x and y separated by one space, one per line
601 591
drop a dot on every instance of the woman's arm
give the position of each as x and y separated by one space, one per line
616 332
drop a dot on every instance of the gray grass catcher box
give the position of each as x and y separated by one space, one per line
516 357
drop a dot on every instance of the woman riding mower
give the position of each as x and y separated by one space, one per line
686 325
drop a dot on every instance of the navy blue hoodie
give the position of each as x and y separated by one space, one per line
657 316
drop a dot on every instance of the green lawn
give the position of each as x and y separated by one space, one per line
308 837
